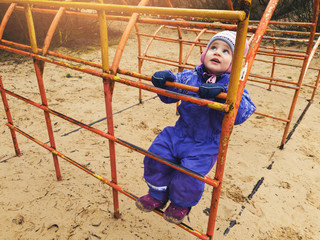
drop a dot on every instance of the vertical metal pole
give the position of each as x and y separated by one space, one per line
228 120
139 59
9 117
108 103
230 5
3 95
303 70
273 60
316 86
39 66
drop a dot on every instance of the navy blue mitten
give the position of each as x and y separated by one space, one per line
159 78
210 90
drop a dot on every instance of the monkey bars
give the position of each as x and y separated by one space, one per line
173 18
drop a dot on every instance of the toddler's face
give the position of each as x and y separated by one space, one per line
218 57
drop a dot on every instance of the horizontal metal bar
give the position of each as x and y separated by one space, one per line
273 79
198 176
183 23
272 53
121 71
271 116
101 178
163 11
271 83
82 167
202 102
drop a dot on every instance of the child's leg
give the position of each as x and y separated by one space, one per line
184 190
157 174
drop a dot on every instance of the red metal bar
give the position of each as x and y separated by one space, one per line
272 79
99 177
228 119
316 86
203 102
141 57
271 83
271 116
230 5
273 61
303 70
9 118
300 24
273 53
39 73
313 51
200 177
39 66
171 84
280 55
108 99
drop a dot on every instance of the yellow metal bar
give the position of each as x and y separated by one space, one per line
237 63
104 39
164 11
32 33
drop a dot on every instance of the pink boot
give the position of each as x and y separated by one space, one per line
147 203
175 214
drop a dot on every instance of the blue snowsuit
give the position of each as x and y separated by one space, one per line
193 143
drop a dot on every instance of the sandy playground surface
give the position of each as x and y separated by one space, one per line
33 205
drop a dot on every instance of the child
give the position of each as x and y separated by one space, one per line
194 140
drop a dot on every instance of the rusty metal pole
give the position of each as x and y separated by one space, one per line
303 70
229 117
273 60
9 117
108 104
39 65
3 95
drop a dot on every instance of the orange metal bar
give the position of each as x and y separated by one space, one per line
51 30
125 36
6 17
274 84
271 116
273 61
9 117
101 178
273 79
283 54
203 102
315 87
193 45
200 177
228 119
313 51
141 57
230 5
108 105
39 65
303 70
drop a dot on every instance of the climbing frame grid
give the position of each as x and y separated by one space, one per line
167 17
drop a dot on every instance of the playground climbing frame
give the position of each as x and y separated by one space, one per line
174 18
